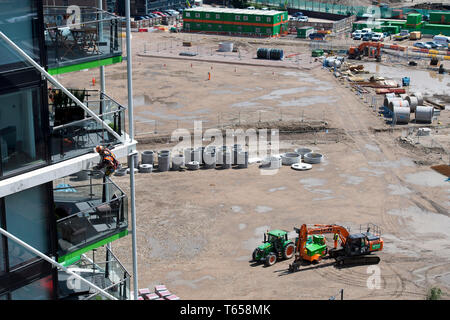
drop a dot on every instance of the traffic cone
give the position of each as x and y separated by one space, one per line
209 75
93 82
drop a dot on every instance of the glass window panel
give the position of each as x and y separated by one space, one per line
21 137
18 20
28 219
38 290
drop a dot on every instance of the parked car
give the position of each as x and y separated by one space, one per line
297 14
367 37
432 44
159 13
251 8
302 18
357 36
316 35
377 37
355 32
265 8
139 18
422 45
366 30
443 40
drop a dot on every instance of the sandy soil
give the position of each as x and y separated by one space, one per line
196 230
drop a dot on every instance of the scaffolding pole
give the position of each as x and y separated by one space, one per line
131 133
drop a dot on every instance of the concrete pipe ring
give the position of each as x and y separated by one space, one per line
290 158
193 165
302 151
145 168
313 158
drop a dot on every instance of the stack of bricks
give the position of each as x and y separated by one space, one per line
161 293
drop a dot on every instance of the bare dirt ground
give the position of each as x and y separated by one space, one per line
196 230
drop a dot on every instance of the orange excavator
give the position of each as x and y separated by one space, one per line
355 248
369 49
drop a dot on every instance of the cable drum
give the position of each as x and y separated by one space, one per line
419 97
398 104
388 100
401 115
413 103
424 114
276 54
262 53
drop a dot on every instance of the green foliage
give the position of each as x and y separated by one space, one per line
434 294
241 4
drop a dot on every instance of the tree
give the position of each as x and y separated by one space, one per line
239 3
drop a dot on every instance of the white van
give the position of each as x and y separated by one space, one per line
440 39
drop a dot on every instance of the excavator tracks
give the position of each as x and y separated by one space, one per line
342 261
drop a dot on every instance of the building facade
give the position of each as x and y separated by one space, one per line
50 197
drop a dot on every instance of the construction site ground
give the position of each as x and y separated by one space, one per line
196 230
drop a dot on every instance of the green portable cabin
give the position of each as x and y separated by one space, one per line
391 29
436 29
413 19
304 32
440 17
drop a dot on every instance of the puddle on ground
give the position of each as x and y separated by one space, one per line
166 116
306 77
406 162
307 101
277 189
372 147
245 104
236 209
428 178
312 182
352 179
373 172
429 82
431 228
168 249
190 283
263 209
398 190
278 94
252 243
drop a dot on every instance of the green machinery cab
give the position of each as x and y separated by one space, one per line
276 246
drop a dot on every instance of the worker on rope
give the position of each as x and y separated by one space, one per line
107 160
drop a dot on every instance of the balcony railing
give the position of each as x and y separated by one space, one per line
109 275
96 35
74 134
87 213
